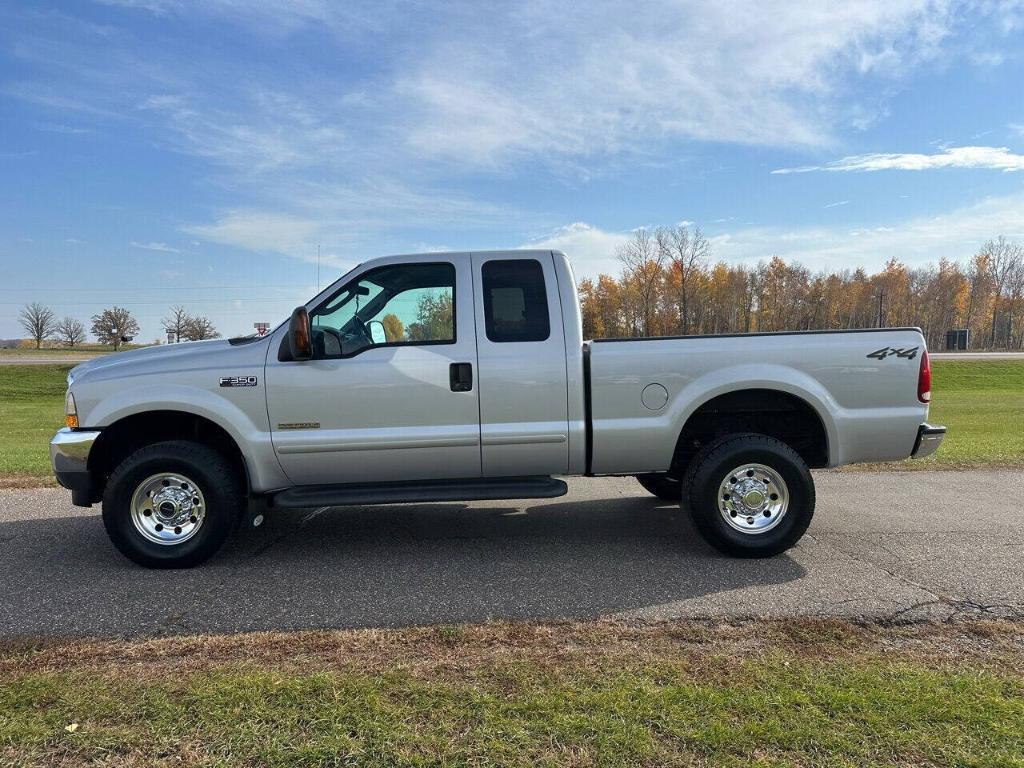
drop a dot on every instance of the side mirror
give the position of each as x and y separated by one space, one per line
299 342
377 334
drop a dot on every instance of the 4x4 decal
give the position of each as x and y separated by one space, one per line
880 354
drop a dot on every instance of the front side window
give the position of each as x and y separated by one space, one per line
515 300
388 306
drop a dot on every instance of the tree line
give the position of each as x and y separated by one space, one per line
113 326
670 285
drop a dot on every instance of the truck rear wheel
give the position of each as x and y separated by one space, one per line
172 504
750 495
661 485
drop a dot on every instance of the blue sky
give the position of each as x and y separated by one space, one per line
159 152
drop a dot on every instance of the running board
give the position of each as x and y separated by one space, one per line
471 489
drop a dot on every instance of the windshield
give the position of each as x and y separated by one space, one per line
400 304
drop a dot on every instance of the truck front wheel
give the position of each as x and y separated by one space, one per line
172 504
750 495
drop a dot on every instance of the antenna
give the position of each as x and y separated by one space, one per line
318 267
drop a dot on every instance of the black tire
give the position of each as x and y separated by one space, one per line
714 464
661 485
218 481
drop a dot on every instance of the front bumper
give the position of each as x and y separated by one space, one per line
69 455
929 438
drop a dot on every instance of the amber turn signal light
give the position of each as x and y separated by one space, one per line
70 411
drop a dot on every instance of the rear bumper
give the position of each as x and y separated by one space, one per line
69 456
929 438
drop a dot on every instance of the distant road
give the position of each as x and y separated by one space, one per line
61 359
976 355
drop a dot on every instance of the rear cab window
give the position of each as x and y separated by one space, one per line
515 301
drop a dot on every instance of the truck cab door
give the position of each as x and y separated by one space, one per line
391 391
522 378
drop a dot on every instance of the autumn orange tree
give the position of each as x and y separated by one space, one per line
670 285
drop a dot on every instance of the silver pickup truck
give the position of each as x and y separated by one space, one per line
459 376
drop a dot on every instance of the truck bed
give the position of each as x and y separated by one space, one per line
862 384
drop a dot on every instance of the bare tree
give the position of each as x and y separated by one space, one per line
643 263
112 326
70 331
199 328
1003 257
38 321
176 322
688 253
1015 300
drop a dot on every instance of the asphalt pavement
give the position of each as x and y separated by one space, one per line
889 545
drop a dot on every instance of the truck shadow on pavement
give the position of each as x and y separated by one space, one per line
375 566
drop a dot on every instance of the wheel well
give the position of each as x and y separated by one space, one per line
122 438
770 412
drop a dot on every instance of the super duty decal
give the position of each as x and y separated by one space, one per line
238 381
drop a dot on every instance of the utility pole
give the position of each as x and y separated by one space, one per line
881 296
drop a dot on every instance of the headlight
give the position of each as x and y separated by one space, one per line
70 411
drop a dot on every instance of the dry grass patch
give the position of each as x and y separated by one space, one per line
602 693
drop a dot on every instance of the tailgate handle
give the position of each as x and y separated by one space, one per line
460 376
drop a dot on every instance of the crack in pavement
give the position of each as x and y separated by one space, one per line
957 605
936 597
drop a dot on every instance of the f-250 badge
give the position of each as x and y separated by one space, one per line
880 354
238 381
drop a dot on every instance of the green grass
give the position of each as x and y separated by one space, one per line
31 410
982 405
981 402
562 695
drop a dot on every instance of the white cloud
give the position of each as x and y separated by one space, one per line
267 130
311 152
261 231
70 130
590 249
836 204
349 223
997 158
567 83
598 78
153 246
955 234
154 6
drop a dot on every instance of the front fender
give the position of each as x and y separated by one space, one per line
245 422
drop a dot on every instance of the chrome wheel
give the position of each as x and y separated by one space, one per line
168 508
753 498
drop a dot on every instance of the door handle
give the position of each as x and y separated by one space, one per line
460 377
